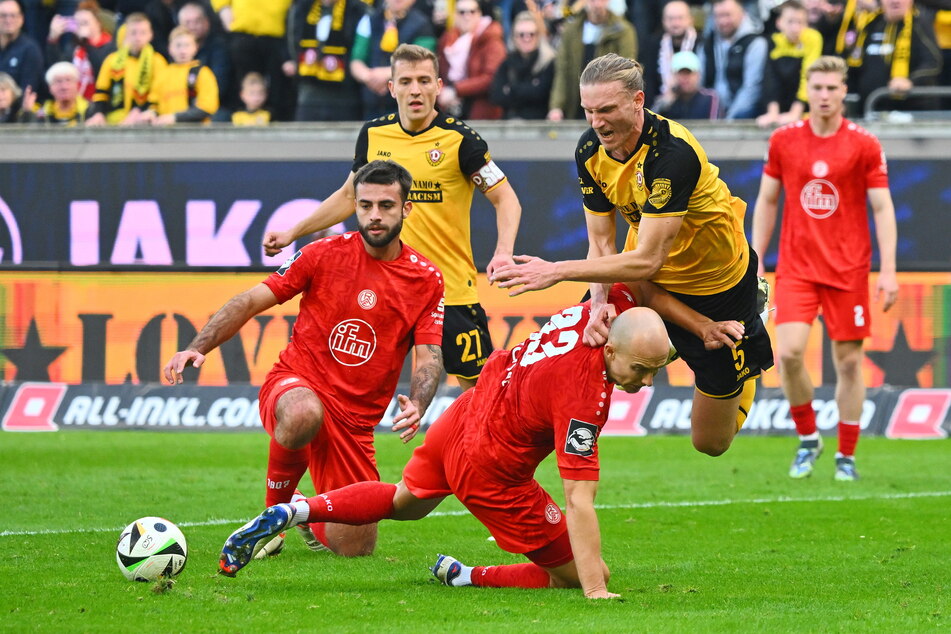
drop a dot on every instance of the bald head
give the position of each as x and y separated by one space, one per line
637 348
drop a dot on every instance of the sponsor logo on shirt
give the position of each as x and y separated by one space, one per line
660 192
820 169
287 264
426 191
581 438
819 198
352 342
288 381
366 299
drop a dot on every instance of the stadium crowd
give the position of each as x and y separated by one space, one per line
160 62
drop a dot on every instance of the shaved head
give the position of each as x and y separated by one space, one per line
637 348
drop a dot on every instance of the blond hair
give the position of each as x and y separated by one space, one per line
181 31
253 79
829 64
413 53
612 67
8 82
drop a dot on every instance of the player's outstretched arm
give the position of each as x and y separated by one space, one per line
764 216
602 231
508 214
336 208
655 237
714 334
222 326
427 370
886 233
585 536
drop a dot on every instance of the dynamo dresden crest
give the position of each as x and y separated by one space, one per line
435 156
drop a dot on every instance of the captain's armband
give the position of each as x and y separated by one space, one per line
488 176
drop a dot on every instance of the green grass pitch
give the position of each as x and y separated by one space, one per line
695 544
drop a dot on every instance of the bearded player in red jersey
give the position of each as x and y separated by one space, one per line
550 393
827 165
367 298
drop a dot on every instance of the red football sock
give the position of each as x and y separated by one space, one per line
804 417
510 576
848 437
285 467
360 503
319 529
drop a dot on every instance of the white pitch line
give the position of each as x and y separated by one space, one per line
606 507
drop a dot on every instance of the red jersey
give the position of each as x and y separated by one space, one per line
358 318
825 227
548 393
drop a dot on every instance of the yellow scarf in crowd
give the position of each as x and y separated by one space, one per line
897 40
140 89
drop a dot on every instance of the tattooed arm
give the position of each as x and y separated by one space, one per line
427 370
222 326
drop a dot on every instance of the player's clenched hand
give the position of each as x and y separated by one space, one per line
599 325
532 274
274 241
408 419
497 261
717 334
181 360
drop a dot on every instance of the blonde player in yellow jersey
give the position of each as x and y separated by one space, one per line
685 234
448 161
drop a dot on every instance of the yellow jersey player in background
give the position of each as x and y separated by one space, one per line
685 234
448 161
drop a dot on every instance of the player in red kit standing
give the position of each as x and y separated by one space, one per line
367 298
827 165
550 393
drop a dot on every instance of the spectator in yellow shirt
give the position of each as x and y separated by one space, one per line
253 95
187 91
126 77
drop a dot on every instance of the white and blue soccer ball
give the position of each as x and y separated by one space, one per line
149 548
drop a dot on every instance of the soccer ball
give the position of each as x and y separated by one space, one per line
150 548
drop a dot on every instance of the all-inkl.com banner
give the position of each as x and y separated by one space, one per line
121 327
214 214
48 407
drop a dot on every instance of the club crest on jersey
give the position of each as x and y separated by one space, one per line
287 264
581 438
352 342
435 156
660 192
552 514
819 198
639 179
366 299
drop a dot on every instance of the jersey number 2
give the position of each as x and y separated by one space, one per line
567 339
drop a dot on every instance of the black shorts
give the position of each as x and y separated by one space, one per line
465 340
721 373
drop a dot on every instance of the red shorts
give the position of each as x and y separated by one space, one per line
846 313
521 516
341 453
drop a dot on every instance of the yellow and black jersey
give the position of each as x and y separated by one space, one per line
668 174
258 117
184 86
51 113
448 161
